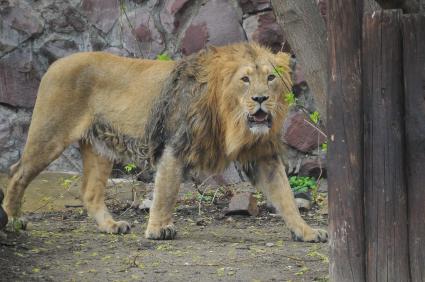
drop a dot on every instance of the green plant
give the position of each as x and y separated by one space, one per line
315 117
278 70
302 184
258 195
130 167
163 57
290 98
67 182
324 147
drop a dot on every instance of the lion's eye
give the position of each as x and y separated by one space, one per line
271 77
245 79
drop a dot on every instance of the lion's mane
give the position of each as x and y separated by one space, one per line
190 113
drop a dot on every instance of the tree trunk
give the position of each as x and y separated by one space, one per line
408 6
305 31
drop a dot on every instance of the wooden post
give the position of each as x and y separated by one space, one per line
414 80
345 131
385 195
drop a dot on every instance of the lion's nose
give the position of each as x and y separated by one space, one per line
259 99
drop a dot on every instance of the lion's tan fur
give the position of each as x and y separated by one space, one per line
189 114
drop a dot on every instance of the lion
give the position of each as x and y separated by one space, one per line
201 112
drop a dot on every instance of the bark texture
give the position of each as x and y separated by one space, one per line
305 30
408 6
345 150
306 33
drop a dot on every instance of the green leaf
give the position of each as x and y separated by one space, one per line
324 147
129 167
315 117
290 98
302 184
163 57
278 70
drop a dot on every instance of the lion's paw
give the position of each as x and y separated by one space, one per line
167 232
313 236
115 227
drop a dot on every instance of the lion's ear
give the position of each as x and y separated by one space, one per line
283 61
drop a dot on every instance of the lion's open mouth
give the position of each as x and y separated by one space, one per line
259 118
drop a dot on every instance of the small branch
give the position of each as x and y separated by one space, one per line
317 128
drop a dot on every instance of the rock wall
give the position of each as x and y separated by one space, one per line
33 34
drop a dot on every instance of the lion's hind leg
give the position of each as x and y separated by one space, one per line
37 155
167 184
96 170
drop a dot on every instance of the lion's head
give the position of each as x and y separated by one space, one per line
225 103
249 83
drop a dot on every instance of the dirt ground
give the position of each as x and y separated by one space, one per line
62 244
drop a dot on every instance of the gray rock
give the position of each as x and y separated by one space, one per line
101 13
145 205
3 215
243 204
63 17
231 175
206 29
253 6
303 204
314 167
172 13
141 37
14 124
303 201
13 130
300 132
263 28
56 47
69 160
18 22
19 78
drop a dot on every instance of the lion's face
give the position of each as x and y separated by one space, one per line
244 104
257 89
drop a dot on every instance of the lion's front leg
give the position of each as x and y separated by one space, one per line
270 177
167 184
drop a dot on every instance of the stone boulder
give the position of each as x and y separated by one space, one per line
263 28
14 126
231 175
141 37
61 17
101 13
301 133
218 22
314 166
242 204
58 47
171 15
254 6
19 78
18 23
